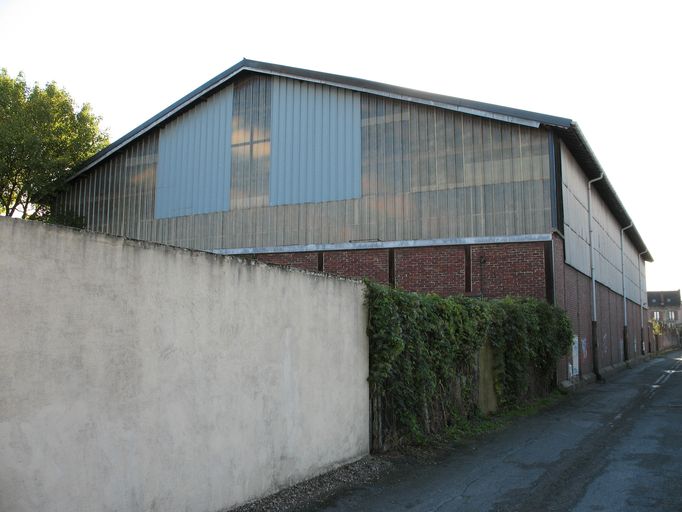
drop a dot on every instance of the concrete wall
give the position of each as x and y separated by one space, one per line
139 377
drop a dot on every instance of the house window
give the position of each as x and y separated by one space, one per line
672 316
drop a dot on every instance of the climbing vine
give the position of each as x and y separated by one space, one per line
424 350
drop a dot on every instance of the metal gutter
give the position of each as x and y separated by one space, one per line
625 295
583 153
589 223
379 244
641 302
595 341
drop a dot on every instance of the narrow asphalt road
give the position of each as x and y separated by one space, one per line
614 446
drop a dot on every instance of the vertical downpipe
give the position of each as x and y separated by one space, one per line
641 302
481 262
595 341
625 300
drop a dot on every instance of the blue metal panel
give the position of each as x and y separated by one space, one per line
193 173
316 154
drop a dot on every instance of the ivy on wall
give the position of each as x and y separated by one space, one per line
424 356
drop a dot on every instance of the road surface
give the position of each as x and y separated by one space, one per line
614 446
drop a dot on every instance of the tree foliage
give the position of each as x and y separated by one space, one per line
44 135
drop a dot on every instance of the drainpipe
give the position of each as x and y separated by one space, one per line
641 302
595 342
481 261
625 300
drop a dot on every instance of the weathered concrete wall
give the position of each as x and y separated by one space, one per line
138 377
487 399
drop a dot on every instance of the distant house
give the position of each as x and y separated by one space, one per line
422 191
664 307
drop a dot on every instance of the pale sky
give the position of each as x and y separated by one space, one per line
614 67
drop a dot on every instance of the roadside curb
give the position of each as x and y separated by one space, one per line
582 381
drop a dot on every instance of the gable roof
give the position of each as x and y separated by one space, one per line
566 129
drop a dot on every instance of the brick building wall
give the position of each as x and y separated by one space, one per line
302 260
507 269
560 298
362 263
498 270
439 270
573 293
577 306
636 334
533 269
558 271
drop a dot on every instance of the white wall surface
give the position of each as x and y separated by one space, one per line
139 377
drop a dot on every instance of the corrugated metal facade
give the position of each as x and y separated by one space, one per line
605 236
314 164
316 154
435 173
251 144
194 160
118 198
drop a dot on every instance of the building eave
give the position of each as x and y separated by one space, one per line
576 142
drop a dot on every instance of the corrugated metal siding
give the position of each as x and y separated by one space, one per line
631 272
315 143
605 235
425 173
251 143
435 173
118 196
194 160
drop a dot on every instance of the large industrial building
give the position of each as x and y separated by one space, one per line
422 191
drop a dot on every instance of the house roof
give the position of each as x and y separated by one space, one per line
665 299
566 129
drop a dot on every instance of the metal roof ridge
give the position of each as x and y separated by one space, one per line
498 112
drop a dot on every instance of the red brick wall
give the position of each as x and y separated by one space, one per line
616 323
565 299
303 260
610 325
359 263
577 301
634 328
584 286
559 276
509 269
431 269
577 290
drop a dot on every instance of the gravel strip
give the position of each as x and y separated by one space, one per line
316 490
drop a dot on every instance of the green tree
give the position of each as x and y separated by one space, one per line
44 135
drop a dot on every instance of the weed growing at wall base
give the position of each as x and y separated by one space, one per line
424 357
